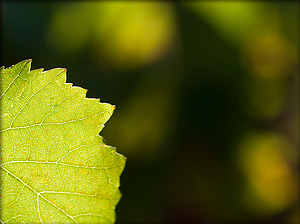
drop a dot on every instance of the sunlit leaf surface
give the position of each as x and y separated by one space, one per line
55 167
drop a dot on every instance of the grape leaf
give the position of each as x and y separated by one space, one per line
55 168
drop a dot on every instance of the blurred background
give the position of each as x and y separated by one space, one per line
206 95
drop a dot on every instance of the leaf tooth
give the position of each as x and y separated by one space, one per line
40 70
80 92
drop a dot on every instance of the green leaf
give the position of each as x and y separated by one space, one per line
55 168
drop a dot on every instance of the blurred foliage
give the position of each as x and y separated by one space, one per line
124 34
207 97
234 20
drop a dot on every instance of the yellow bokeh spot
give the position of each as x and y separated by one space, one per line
68 30
132 33
269 55
266 161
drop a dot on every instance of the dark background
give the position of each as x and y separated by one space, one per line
206 95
